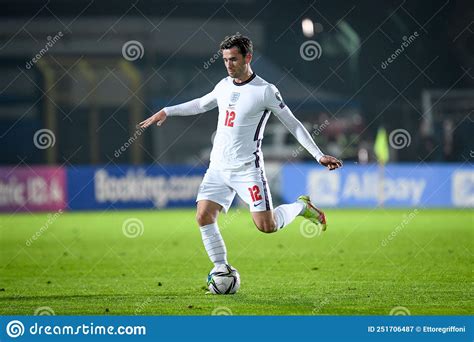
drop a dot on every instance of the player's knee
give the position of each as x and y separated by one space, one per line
266 226
204 218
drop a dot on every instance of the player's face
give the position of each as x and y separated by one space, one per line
235 63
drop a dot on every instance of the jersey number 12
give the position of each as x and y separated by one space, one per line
229 118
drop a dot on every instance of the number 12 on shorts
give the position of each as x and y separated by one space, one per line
255 193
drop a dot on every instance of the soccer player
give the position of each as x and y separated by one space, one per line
245 102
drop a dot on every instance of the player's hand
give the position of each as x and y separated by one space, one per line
330 162
158 118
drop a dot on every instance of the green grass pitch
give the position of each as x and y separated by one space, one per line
82 263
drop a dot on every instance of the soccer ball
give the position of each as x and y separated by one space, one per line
223 279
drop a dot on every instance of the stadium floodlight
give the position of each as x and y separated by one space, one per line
308 27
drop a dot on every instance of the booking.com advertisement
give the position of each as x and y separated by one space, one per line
123 187
397 185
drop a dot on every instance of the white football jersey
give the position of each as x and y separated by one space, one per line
244 109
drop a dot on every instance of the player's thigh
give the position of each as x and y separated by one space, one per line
252 187
213 189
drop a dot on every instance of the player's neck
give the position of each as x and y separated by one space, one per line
244 77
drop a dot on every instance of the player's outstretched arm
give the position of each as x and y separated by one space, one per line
193 107
158 118
274 103
304 138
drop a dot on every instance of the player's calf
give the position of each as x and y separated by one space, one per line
206 216
266 223
267 227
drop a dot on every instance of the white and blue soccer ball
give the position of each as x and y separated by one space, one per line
223 279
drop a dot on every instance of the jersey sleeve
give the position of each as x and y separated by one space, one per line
274 103
193 107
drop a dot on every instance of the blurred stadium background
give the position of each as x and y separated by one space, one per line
388 87
76 78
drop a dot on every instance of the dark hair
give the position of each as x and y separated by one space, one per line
244 44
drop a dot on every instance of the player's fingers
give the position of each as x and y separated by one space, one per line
336 163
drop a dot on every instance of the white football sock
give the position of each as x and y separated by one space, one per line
286 213
214 244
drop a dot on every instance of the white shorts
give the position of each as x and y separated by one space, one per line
220 186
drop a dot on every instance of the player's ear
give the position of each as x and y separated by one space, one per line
248 58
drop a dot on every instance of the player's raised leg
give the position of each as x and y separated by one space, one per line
270 221
285 214
206 217
273 220
251 185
